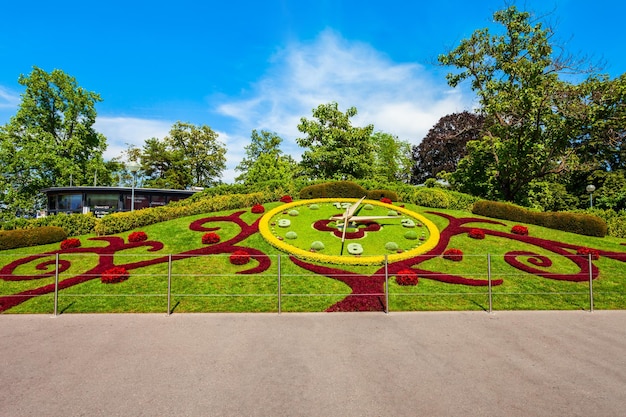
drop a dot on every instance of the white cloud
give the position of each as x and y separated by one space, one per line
9 102
403 99
123 131
8 99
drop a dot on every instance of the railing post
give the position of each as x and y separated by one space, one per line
590 285
386 285
56 285
279 289
489 281
169 284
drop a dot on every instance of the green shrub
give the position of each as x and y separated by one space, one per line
122 222
581 223
21 238
617 227
380 194
344 189
73 224
430 197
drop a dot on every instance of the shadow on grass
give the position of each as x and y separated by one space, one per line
174 307
66 308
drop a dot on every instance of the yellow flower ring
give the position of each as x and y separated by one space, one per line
272 239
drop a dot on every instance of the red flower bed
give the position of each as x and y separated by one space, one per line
386 200
210 238
257 209
476 234
286 199
70 243
518 229
239 257
406 277
114 275
595 254
137 237
453 254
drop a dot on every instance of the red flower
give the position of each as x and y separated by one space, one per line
595 254
453 254
386 200
70 243
114 275
239 257
476 234
257 208
286 199
209 238
137 237
520 230
407 277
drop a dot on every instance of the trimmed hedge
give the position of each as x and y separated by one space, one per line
441 198
73 224
21 238
124 221
344 189
580 223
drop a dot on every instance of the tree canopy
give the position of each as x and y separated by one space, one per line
264 160
445 145
190 156
531 115
50 141
335 148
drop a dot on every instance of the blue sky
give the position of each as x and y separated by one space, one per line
242 65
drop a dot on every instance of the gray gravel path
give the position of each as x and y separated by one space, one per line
343 364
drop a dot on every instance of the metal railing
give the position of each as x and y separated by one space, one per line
278 292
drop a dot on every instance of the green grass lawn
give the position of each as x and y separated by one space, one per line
210 283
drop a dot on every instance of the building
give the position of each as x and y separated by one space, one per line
105 200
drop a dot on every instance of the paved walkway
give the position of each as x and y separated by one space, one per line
342 364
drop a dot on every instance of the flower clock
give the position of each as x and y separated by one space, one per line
348 231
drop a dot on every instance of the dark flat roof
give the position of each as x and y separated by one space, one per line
119 189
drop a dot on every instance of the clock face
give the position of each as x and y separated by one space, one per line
348 231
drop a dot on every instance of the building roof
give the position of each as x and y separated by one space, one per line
119 189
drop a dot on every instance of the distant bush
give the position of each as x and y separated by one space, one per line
344 189
440 198
124 221
581 223
21 238
73 224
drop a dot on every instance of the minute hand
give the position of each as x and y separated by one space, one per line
366 218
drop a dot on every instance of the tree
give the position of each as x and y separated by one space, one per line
335 149
392 158
191 156
530 113
445 145
264 161
50 141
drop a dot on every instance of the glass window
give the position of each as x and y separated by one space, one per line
52 202
70 202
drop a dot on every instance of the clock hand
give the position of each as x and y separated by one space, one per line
346 218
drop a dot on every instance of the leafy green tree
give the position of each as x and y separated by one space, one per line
191 156
335 148
530 113
264 161
50 141
602 146
445 145
392 158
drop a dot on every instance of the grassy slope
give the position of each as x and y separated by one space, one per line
210 284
